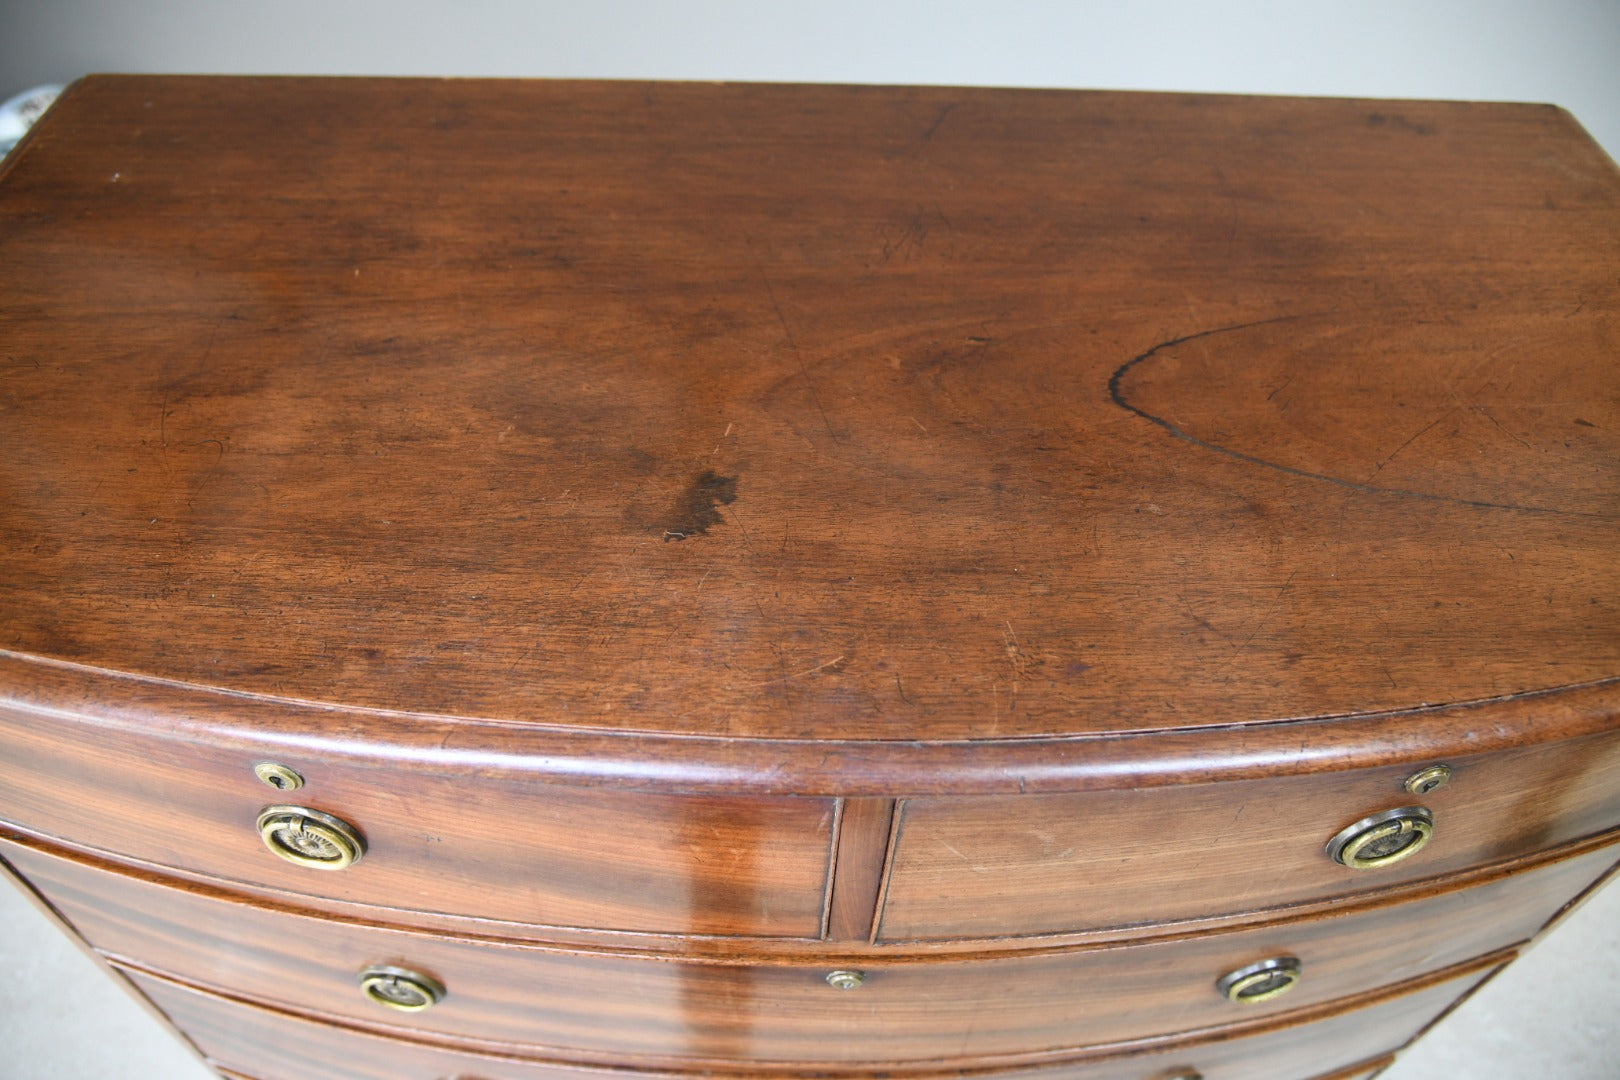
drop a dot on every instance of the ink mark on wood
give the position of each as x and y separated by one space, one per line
1400 123
699 505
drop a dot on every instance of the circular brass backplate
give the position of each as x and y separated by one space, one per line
1261 981
1382 839
401 988
845 979
310 838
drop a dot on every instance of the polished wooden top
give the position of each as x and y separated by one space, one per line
810 412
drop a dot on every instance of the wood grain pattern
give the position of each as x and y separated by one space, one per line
42 692
271 1045
816 412
993 866
865 826
629 1009
441 837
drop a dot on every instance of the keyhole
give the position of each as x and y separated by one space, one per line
278 776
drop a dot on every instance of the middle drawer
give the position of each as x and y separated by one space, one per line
594 1005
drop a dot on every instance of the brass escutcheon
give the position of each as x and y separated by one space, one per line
401 988
278 776
1426 780
1383 839
310 838
844 979
1261 981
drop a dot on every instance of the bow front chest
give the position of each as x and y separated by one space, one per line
547 580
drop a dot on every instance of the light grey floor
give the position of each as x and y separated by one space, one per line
63 1018
1552 1016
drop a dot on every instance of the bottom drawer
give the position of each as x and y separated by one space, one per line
1363 1071
264 1044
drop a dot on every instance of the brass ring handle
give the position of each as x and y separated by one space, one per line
310 838
1262 981
1383 839
401 988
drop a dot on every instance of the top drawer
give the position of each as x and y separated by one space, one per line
1051 864
457 841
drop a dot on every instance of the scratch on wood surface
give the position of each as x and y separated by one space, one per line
977 868
1487 414
907 240
1186 605
839 659
938 120
1282 591
13 366
1015 658
798 355
781 662
1414 437
965 1047
723 436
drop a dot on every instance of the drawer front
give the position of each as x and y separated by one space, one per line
269 1045
517 850
685 1012
1053 864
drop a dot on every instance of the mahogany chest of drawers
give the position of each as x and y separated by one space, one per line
527 581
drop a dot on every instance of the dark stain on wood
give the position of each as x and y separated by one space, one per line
698 507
